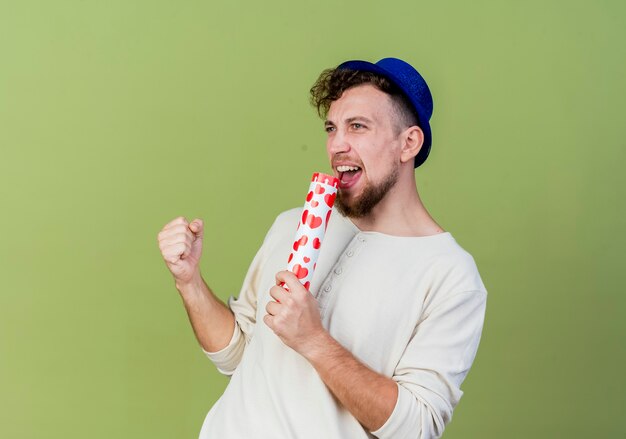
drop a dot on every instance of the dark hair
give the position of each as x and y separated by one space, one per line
332 83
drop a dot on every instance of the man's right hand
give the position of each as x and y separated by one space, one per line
181 247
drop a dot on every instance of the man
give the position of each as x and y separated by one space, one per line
381 343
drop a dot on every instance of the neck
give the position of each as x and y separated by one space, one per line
400 213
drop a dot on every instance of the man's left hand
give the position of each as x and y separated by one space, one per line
294 316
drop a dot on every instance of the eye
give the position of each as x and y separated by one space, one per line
357 126
329 128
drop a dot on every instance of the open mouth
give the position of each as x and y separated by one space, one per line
348 175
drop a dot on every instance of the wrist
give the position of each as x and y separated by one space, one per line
317 346
192 285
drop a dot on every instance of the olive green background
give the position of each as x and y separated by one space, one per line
117 116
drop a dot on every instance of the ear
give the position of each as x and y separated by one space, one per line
412 141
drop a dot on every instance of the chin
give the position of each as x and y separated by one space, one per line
351 207
361 205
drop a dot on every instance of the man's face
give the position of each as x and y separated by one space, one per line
363 146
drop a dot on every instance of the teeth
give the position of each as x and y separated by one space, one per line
345 168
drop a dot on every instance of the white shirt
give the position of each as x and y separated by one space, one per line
410 308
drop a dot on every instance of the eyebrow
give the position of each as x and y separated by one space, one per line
350 120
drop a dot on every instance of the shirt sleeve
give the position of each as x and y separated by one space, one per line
244 310
433 366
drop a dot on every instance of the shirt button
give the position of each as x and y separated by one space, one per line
362 239
350 253
338 270
327 288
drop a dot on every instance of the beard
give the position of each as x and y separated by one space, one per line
372 194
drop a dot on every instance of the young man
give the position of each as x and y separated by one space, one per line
381 343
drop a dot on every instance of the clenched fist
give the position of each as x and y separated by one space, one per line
181 246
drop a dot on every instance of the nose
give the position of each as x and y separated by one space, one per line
337 142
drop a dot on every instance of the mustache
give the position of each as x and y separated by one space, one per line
342 157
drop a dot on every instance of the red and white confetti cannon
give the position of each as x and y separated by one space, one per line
312 227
